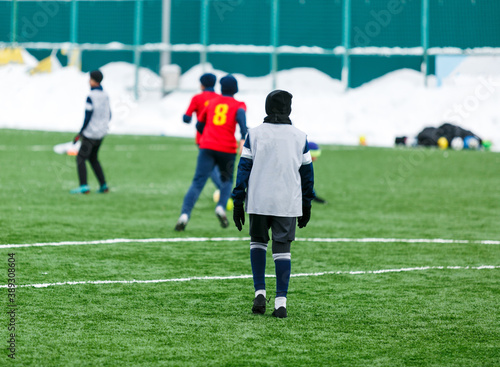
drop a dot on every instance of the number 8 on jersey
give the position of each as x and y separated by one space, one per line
220 116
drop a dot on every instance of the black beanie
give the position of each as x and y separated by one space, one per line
229 85
96 75
208 80
279 102
278 107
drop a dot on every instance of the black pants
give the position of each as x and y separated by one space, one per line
88 151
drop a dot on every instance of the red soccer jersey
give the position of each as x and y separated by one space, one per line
198 103
220 124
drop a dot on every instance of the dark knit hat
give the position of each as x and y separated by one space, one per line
279 102
229 85
208 80
313 146
96 75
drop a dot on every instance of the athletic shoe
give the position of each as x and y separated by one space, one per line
259 304
182 223
280 313
221 215
84 189
103 189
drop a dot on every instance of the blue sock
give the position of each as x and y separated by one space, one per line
283 270
258 261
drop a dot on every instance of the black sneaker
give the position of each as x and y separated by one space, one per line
182 223
280 313
259 304
180 226
221 215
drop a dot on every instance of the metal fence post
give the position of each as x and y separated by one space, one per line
74 56
137 43
274 40
166 56
346 42
13 22
74 22
425 38
204 33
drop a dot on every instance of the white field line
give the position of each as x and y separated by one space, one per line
126 240
187 279
233 239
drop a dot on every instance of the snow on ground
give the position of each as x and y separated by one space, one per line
393 105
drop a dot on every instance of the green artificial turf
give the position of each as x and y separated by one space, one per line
422 317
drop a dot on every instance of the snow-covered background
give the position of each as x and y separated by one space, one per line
393 105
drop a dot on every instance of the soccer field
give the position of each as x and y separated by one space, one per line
400 268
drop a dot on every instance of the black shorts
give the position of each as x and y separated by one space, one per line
282 228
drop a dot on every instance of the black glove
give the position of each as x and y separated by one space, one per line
76 139
239 216
306 216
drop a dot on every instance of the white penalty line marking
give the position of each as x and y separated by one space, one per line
233 239
231 277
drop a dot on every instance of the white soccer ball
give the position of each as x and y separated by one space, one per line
411 141
457 143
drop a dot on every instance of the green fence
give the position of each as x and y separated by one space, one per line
353 40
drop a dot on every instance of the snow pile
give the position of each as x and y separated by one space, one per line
393 105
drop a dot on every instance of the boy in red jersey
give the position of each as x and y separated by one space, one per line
218 147
198 103
200 100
